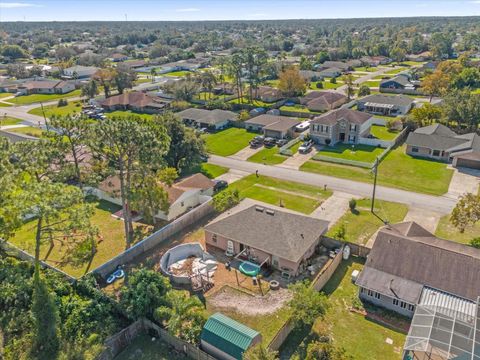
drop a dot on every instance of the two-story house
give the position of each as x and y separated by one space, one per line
341 125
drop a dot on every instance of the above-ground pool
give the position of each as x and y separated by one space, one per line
249 268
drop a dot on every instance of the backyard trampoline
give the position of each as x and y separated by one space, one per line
250 269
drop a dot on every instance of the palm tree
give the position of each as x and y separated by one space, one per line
153 73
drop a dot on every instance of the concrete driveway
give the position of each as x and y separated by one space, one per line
297 160
464 181
245 153
334 207
232 175
428 219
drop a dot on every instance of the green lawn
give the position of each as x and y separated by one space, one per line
178 73
447 231
382 132
298 108
372 83
295 196
361 224
4 121
122 113
255 102
327 85
366 69
267 325
361 337
380 77
209 96
212 171
228 142
363 153
34 98
397 170
4 95
2 104
28 130
268 156
394 71
110 229
50 110
143 348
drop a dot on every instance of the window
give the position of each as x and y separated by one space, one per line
370 293
214 238
436 152
353 127
326 128
414 150
351 138
377 295
182 204
411 307
362 290
403 304
395 302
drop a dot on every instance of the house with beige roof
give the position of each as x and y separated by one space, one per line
323 100
136 101
46 87
275 126
183 195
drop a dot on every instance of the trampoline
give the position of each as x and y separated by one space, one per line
248 268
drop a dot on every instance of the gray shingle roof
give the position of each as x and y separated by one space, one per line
409 252
399 100
273 122
211 117
281 234
332 117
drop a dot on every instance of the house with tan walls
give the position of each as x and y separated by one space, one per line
282 239
183 195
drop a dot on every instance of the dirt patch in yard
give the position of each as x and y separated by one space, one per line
241 302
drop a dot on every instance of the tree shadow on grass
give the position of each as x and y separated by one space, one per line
296 342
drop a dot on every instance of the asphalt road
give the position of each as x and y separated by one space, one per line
441 204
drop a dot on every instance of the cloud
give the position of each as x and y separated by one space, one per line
475 2
188 10
15 5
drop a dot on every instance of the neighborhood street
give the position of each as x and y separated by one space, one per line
441 204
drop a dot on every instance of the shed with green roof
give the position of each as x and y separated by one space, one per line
227 339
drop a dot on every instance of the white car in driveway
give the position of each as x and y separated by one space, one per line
302 126
305 147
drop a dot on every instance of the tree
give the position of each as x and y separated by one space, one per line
45 342
70 136
318 350
184 90
153 73
129 144
364 90
145 292
461 108
186 148
235 70
255 60
305 63
14 52
350 90
352 204
183 315
207 80
225 200
124 78
90 89
260 352
106 79
341 232
475 242
307 304
243 116
398 54
426 114
466 212
291 83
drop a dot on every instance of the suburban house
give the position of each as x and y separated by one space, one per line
274 126
336 64
332 72
117 57
400 84
341 125
46 87
224 88
310 75
438 142
213 119
376 60
423 56
268 94
183 195
80 72
285 240
227 339
385 104
323 100
136 101
435 281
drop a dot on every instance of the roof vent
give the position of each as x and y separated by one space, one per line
259 208
270 212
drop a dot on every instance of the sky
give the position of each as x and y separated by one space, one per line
149 10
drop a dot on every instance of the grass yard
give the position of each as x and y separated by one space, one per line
268 156
394 71
228 142
447 231
5 121
178 73
382 132
255 102
110 229
268 324
326 85
28 130
143 348
380 77
50 110
298 108
212 171
366 69
122 113
209 96
2 104
361 337
363 153
34 98
397 170
361 224
294 196
371 83
4 95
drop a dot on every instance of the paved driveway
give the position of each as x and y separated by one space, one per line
245 153
428 219
333 208
464 181
232 175
297 160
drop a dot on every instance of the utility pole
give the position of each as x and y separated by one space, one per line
375 172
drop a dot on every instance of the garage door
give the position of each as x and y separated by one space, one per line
468 163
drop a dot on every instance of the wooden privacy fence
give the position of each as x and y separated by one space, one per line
115 344
156 238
